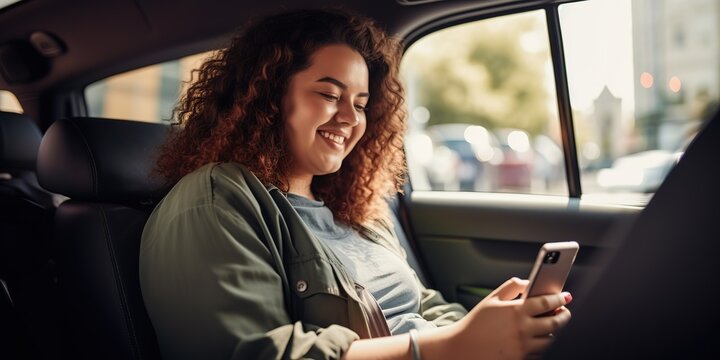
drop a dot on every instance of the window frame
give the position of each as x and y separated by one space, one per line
562 93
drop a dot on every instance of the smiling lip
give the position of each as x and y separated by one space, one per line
335 138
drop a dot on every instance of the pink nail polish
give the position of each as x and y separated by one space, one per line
568 298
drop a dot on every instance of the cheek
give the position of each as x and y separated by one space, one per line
298 121
359 132
361 128
319 111
310 114
295 137
363 125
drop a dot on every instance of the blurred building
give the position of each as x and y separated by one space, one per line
676 47
147 94
607 126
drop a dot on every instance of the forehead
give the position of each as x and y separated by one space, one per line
339 62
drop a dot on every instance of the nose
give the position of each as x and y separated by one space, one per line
347 114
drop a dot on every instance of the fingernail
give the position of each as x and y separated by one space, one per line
568 297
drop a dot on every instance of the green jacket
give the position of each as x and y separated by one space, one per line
228 270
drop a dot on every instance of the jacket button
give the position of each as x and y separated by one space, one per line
301 286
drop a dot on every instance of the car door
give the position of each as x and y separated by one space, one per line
521 118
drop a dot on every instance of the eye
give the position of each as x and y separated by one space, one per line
329 97
360 107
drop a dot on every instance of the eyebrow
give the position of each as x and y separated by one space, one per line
340 84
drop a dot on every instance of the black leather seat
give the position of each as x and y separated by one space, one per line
26 215
13 342
19 142
657 296
104 167
25 208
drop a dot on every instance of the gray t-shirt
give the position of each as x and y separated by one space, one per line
385 274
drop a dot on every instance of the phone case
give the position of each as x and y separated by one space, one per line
551 268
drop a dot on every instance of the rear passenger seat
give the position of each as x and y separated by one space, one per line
19 142
26 215
104 167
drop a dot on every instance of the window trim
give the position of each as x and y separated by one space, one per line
552 21
567 128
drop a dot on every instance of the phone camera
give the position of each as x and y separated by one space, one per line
551 257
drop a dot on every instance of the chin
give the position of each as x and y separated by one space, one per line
328 170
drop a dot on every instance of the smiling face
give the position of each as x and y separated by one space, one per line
324 112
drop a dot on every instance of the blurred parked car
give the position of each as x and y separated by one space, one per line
639 172
489 160
548 167
477 149
515 168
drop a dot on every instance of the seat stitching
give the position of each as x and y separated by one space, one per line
130 326
93 166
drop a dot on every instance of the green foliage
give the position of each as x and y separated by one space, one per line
479 73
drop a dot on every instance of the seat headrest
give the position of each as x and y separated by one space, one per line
19 141
102 160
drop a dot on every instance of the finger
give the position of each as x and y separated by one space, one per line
559 310
545 303
510 289
542 326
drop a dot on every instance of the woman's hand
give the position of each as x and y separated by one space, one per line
499 327
503 327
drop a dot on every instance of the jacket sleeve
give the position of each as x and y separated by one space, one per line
435 309
213 292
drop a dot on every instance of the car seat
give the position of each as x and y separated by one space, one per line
19 142
13 342
655 298
104 167
26 261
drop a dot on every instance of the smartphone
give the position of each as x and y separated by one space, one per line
551 268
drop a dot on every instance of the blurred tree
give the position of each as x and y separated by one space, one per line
490 72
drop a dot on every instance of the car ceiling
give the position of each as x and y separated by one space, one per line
110 36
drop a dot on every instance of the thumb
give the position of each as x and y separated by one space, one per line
510 289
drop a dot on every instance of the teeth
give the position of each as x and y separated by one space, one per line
335 138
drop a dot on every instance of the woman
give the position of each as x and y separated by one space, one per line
275 243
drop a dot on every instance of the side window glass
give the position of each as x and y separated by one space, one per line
146 94
9 103
643 76
483 110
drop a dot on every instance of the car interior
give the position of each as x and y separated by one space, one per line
76 189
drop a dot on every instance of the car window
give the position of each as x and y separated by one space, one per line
8 102
643 75
145 94
483 109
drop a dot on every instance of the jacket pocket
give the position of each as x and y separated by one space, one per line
318 295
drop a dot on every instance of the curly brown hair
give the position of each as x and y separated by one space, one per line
232 112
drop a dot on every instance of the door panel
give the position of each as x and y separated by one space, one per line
472 242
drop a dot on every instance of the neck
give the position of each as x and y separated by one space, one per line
300 185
